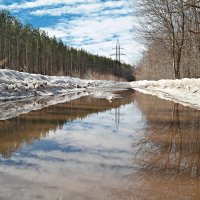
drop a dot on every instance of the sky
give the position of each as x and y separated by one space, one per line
94 25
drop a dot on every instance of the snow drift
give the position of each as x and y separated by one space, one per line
185 91
16 85
22 92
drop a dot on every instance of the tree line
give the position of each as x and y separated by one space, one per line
171 31
29 49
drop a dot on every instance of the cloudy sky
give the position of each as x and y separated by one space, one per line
94 25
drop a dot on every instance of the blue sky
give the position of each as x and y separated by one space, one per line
94 25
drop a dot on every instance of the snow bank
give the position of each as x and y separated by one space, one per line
16 85
23 92
185 91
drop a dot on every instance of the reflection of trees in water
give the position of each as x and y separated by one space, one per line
168 156
36 125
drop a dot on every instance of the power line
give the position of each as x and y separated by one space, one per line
118 55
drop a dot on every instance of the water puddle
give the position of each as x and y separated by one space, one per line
135 147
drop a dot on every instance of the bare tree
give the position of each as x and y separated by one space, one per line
164 22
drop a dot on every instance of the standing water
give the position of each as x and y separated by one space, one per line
135 147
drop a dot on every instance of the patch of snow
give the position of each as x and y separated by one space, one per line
106 95
25 89
185 91
19 85
20 92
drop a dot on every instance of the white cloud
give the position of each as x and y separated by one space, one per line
85 8
42 3
96 34
69 9
45 3
97 27
55 32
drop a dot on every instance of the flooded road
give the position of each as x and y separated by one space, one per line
135 147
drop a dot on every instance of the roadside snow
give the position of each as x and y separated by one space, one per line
20 92
23 92
16 85
185 91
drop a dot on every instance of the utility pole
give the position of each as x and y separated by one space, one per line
117 55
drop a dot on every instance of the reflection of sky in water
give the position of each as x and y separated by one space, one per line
85 159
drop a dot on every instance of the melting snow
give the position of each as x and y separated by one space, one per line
185 91
19 91
19 85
